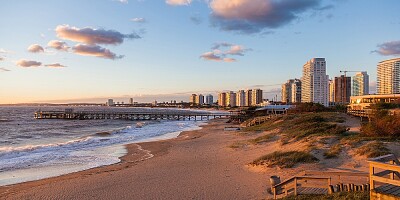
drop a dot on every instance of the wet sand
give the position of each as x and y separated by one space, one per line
196 165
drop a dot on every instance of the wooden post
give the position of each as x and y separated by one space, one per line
392 173
274 192
338 188
295 186
371 173
331 189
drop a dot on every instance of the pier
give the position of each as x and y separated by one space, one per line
69 114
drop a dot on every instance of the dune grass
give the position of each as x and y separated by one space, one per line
373 149
261 139
302 125
335 196
333 152
284 159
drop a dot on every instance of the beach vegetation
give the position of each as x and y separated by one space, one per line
333 152
237 145
302 125
382 124
360 195
372 149
286 159
262 139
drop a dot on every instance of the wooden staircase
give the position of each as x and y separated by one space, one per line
385 178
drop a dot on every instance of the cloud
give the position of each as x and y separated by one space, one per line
389 48
211 56
92 36
178 2
35 48
252 16
2 58
221 51
236 50
59 45
139 20
196 19
122 1
28 63
2 69
3 51
55 65
94 50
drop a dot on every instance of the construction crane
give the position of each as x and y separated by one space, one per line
345 72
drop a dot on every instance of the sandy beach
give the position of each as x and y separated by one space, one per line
200 164
196 165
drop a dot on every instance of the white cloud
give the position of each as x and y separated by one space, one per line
28 63
59 45
221 51
178 2
35 48
55 65
139 20
389 48
2 69
94 50
92 36
251 16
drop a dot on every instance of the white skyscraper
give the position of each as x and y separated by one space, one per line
388 77
360 84
314 83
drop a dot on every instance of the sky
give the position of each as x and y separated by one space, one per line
62 51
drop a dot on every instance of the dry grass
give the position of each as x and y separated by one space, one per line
285 159
262 139
237 145
334 196
333 152
302 125
373 149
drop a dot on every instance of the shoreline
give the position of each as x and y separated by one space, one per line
140 156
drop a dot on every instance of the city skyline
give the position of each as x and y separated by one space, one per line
166 50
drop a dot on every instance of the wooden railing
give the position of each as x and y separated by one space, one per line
294 183
316 179
389 171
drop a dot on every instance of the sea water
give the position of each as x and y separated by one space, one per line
33 149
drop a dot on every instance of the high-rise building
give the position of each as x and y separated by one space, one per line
360 84
131 101
256 97
314 82
199 99
230 99
209 99
240 98
342 89
286 93
193 98
110 102
248 98
222 99
331 92
388 77
291 91
296 91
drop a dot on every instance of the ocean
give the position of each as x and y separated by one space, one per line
32 149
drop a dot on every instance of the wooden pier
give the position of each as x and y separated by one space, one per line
165 115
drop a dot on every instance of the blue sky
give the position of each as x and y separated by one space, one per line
178 47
